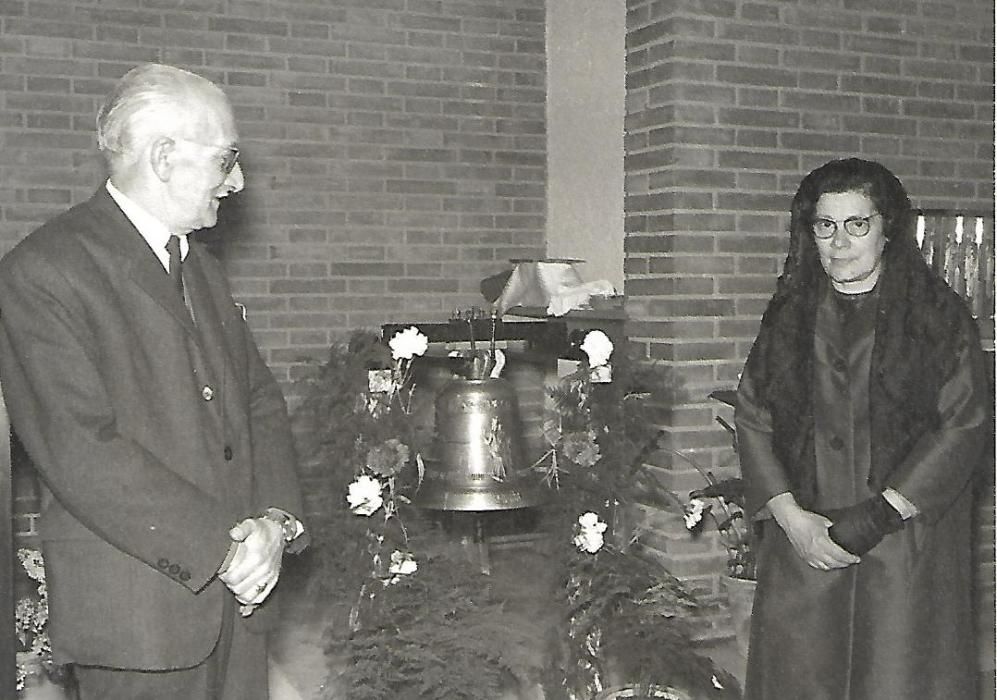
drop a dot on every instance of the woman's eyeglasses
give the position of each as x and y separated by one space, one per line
855 226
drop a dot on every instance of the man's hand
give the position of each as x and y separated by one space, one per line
807 532
255 567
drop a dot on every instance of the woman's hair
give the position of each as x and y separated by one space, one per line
868 177
149 100
921 331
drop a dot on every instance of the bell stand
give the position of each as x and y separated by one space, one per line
549 336
475 544
472 533
546 337
481 545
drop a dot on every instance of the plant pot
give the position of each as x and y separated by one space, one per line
740 598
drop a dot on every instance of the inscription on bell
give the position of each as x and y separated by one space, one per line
475 404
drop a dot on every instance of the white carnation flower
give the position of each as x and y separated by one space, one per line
408 343
590 521
364 495
693 513
402 564
589 541
590 528
598 347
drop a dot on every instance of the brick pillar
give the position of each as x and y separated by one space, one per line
729 105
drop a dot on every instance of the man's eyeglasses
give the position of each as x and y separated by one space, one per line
227 159
855 226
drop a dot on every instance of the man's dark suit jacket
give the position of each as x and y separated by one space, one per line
152 436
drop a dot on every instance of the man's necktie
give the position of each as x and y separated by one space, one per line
173 248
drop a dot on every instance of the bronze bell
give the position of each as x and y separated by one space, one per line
478 449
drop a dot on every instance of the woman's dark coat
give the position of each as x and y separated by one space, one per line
899 624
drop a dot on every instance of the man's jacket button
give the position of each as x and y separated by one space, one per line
207 393
185 576
163 563
836 443
174 569
227 452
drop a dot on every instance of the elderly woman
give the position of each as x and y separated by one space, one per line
861 415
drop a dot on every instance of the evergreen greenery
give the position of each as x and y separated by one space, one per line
447 630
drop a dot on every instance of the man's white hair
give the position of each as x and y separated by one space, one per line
149 100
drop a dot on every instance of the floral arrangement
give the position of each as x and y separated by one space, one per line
423 621
31 624
420 620
736 535
627 619
727 495
360 415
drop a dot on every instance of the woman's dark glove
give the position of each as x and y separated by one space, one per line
859 528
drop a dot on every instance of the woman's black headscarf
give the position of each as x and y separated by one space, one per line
919 326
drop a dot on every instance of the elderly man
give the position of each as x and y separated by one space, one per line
160 436
861 414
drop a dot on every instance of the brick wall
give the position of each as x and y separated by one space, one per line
394 150
729 104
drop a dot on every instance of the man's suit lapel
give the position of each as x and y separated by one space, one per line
214 343
123 241
214 350
210 346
